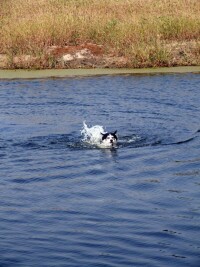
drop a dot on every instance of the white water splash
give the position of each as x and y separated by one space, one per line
92 135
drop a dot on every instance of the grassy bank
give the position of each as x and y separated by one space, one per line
147 33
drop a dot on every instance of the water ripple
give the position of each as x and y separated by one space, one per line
68 203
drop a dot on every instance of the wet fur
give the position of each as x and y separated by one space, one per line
109 139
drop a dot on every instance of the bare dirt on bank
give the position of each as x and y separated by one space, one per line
90 55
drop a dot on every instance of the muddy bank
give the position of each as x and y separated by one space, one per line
90 56
66 57
61 73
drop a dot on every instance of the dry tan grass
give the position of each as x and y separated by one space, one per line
138 29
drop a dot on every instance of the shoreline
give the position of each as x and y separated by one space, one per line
64 73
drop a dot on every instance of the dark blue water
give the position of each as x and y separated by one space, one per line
63 203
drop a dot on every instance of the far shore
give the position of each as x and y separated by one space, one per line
62 73
94 34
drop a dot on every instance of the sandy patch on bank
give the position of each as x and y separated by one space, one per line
89 55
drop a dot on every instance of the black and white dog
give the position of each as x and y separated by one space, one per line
96 135
109 139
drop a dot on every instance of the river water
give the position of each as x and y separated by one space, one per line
65 203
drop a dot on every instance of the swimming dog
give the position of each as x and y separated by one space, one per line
96 135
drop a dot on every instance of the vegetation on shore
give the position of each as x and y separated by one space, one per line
137 33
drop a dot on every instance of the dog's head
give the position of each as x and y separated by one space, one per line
109 139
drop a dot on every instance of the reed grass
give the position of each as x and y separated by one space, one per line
137 29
